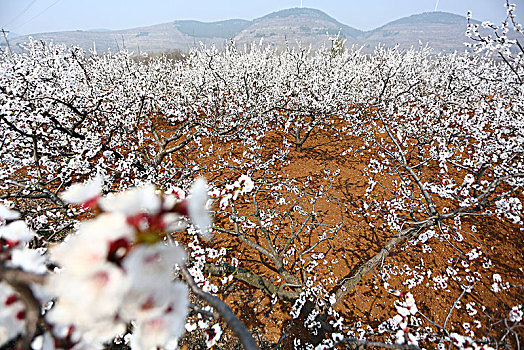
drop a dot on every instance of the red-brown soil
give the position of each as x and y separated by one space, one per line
357 241
369 303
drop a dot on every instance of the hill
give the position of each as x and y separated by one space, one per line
160 37
299 24
223 29
442 31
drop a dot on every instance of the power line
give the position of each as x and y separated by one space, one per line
38 14
21 13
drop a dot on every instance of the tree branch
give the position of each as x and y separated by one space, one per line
229 317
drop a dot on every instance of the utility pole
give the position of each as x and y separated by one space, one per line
7 42
300 3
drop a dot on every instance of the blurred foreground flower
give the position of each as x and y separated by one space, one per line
85 193
116 268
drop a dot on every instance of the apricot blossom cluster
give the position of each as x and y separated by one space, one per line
116 269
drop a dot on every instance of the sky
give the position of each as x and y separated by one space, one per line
37 16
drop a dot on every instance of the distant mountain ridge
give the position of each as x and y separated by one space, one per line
312 13
443 31
222 29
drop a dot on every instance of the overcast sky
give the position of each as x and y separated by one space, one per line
35 16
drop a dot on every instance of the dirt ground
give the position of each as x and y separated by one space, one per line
369 304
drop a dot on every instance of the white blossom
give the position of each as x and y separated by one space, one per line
81 193
16 231
197 202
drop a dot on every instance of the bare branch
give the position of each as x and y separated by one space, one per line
229 317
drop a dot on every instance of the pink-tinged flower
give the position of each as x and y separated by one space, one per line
406 307
391 290
170 200
17 231
190 327
93 243
515 315
150 269
8 214
224 201
66 335
28 260
89 299
410 304
213 334
12 314
402 310
397 319
151 334
412 339
156 303
246 184
173 222
197 209
458 340
177 192
400 337
164 323
86 193
132 202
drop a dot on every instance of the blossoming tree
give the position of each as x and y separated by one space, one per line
349 192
